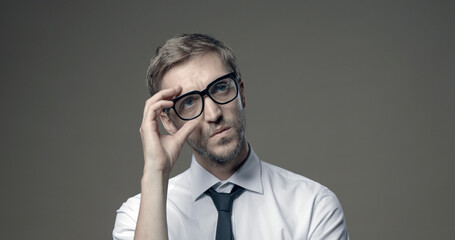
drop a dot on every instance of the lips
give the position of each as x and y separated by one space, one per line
218 131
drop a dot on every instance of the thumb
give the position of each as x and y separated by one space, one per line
186 130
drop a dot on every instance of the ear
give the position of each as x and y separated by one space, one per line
242 93
167 123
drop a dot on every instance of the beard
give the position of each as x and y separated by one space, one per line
230 152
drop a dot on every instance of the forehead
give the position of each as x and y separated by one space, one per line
195 73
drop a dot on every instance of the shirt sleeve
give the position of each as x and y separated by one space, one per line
328 220
126 219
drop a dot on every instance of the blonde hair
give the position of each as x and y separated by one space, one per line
182 48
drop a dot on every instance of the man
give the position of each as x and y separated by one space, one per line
227 193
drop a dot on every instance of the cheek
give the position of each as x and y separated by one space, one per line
239 102
235 107
196 135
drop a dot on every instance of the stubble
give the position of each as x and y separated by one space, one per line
231 152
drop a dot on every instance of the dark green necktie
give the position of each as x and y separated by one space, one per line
223 203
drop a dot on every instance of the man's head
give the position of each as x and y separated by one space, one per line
193 62
182 48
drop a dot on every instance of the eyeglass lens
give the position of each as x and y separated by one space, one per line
221 91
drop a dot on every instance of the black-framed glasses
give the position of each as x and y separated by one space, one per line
222 91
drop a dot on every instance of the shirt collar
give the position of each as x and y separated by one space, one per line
247 176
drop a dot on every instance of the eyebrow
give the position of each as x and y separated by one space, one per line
197 91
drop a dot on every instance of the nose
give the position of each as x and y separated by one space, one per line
212 111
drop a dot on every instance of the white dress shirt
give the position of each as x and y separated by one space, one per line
276 204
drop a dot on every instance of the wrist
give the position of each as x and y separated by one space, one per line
156 166
155 176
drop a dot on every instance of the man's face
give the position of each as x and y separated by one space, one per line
220 134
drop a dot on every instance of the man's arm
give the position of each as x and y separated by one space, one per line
160 154
328 220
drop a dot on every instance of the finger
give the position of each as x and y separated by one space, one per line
186 129
163 94
152 111
166 93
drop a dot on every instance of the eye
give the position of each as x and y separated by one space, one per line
220 87
188 102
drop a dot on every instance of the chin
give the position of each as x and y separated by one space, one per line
225 150
221 152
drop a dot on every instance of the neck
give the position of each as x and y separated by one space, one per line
224 171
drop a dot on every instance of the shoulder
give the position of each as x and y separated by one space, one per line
131 206
179 184
281 175
180 179
312 201
125 221
289 182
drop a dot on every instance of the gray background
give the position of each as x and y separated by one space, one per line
357 95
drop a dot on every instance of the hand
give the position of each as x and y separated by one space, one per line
161 150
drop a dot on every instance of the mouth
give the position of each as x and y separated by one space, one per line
219 132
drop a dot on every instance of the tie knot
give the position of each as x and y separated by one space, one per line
223 201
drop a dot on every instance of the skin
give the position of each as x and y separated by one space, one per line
217 138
